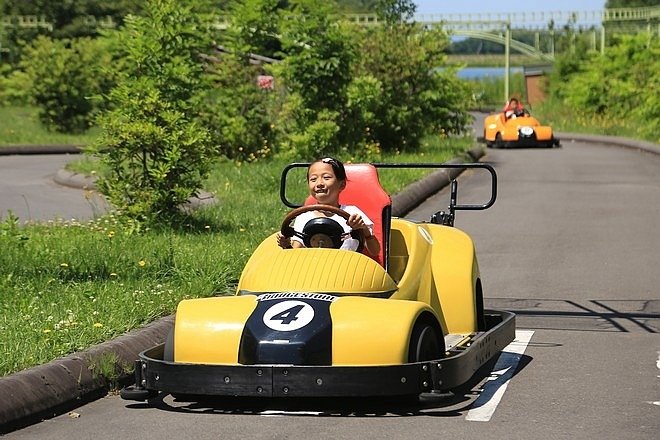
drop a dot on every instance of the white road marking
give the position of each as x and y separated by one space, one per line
657 364
494 388
279 413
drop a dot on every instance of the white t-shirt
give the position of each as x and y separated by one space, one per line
350 243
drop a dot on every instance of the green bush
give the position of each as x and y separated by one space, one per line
316 70
618 85
15 87
415 98
156 150
238 112
254 27
65 76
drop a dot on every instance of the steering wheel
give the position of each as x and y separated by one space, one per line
321 231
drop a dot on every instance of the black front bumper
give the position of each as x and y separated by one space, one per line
154 374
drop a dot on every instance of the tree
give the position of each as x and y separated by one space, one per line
157 152
395 11
631 3
619 83
356 6
65 78
239 111
66 19
318 53
417 98
254 27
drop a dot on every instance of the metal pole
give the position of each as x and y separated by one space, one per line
552 43
537 41
593 40
507 60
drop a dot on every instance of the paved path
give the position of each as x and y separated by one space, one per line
571 246
28 190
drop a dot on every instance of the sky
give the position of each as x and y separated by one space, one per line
587 10
473 6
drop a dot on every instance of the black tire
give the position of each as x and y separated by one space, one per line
168 350
498 141
137 394
168 355
424 344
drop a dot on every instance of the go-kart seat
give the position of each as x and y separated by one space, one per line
363 190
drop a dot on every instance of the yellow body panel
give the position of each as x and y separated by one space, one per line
441 271
508 129
433 269
208 330
370 331
273 269
455 271
365 331
543 133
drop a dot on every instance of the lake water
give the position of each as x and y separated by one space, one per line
486 72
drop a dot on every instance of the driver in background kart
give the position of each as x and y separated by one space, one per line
326 178
513 108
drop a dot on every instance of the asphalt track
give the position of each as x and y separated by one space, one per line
23 390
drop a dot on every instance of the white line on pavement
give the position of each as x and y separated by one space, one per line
495 386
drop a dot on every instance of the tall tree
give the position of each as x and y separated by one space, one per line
631 3
395 11
157 151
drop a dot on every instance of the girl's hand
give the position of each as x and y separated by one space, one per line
355 221
283 242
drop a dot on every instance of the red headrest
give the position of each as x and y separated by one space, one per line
364 191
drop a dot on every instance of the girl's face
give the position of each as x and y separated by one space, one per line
323 184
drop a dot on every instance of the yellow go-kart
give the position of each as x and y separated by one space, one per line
521 130
321 321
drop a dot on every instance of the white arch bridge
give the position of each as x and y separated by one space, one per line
497 27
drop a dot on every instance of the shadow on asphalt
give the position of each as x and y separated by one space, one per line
448 404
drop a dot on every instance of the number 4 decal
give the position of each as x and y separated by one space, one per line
288 315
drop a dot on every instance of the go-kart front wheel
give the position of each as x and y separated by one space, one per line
498 141
424 344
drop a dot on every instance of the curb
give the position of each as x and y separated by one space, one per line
414 194
82 181
48 390
7 150
614 141
74 180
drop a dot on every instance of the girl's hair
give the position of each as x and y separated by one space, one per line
337 167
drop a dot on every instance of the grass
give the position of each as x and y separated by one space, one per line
556 114
489 92
20 125
492 60
65 286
